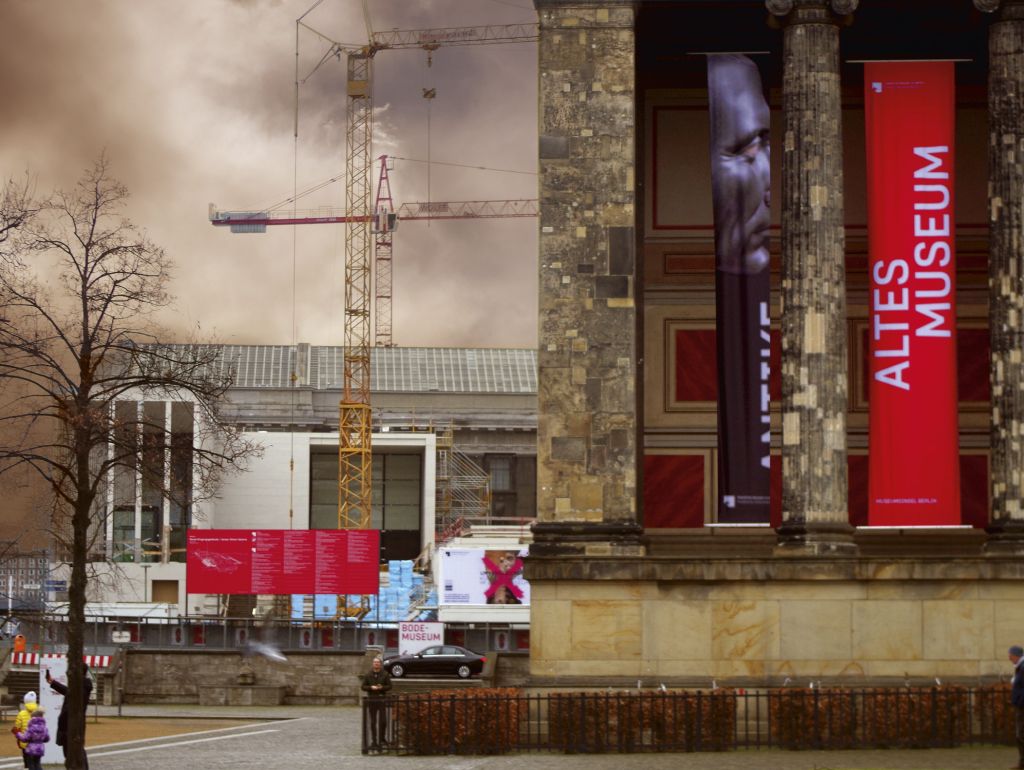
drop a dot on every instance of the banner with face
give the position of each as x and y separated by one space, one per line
740 191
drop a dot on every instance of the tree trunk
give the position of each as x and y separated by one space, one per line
74 747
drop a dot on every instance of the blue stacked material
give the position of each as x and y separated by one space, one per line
298 600
325 606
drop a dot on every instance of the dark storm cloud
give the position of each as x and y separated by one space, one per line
194 102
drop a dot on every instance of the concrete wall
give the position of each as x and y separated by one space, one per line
172 676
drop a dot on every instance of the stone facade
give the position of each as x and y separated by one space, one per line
814 398
813 599
587 360
1006 271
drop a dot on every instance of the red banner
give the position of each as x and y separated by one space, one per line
283 561
913 472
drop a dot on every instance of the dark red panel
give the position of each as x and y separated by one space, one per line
857 494
974 505
673 491
973 354
697 365
451 636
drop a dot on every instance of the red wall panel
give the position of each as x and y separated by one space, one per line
673 491
696 365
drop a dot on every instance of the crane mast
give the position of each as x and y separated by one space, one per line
384 209
355 461
355 458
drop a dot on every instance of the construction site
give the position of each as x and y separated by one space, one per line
433 448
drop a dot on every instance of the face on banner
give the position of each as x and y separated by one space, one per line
740 155
741 194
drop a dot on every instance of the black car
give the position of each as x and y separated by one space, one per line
441 660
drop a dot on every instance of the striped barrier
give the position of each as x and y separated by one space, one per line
34 659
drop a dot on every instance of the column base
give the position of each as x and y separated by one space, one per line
815 539
582 538
1005 538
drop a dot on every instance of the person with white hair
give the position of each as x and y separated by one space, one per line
376 684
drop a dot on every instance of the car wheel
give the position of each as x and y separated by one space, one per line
398 671
464 672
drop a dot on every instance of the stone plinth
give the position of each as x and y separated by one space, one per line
756 622
242 695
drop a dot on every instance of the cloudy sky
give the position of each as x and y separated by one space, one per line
193 101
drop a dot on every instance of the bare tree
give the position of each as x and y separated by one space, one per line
79 285
16 208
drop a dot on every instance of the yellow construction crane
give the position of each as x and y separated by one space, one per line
354 452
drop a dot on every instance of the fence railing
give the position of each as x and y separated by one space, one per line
494 721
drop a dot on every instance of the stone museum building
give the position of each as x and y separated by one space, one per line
632 575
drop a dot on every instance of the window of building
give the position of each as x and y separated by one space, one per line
180 497
500 468
126 446
152 481
397 481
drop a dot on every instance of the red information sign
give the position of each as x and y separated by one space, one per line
913 474
275 561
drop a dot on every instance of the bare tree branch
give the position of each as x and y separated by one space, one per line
78 286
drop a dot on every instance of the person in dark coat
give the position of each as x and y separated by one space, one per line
376 685
62 718
1017 699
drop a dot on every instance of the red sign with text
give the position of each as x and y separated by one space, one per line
283 561
913 471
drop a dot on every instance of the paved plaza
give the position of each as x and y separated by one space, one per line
328 737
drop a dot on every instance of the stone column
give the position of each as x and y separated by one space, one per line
1006 272
587 433
814 365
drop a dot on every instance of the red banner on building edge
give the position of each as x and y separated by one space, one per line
913 466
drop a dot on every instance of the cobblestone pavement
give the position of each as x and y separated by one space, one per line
318 737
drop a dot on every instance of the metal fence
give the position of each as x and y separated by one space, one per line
49 634
500 721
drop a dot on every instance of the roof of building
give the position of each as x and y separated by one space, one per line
396 370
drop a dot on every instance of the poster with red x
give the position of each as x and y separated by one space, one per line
481 576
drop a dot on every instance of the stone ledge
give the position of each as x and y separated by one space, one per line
702 569
242 695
